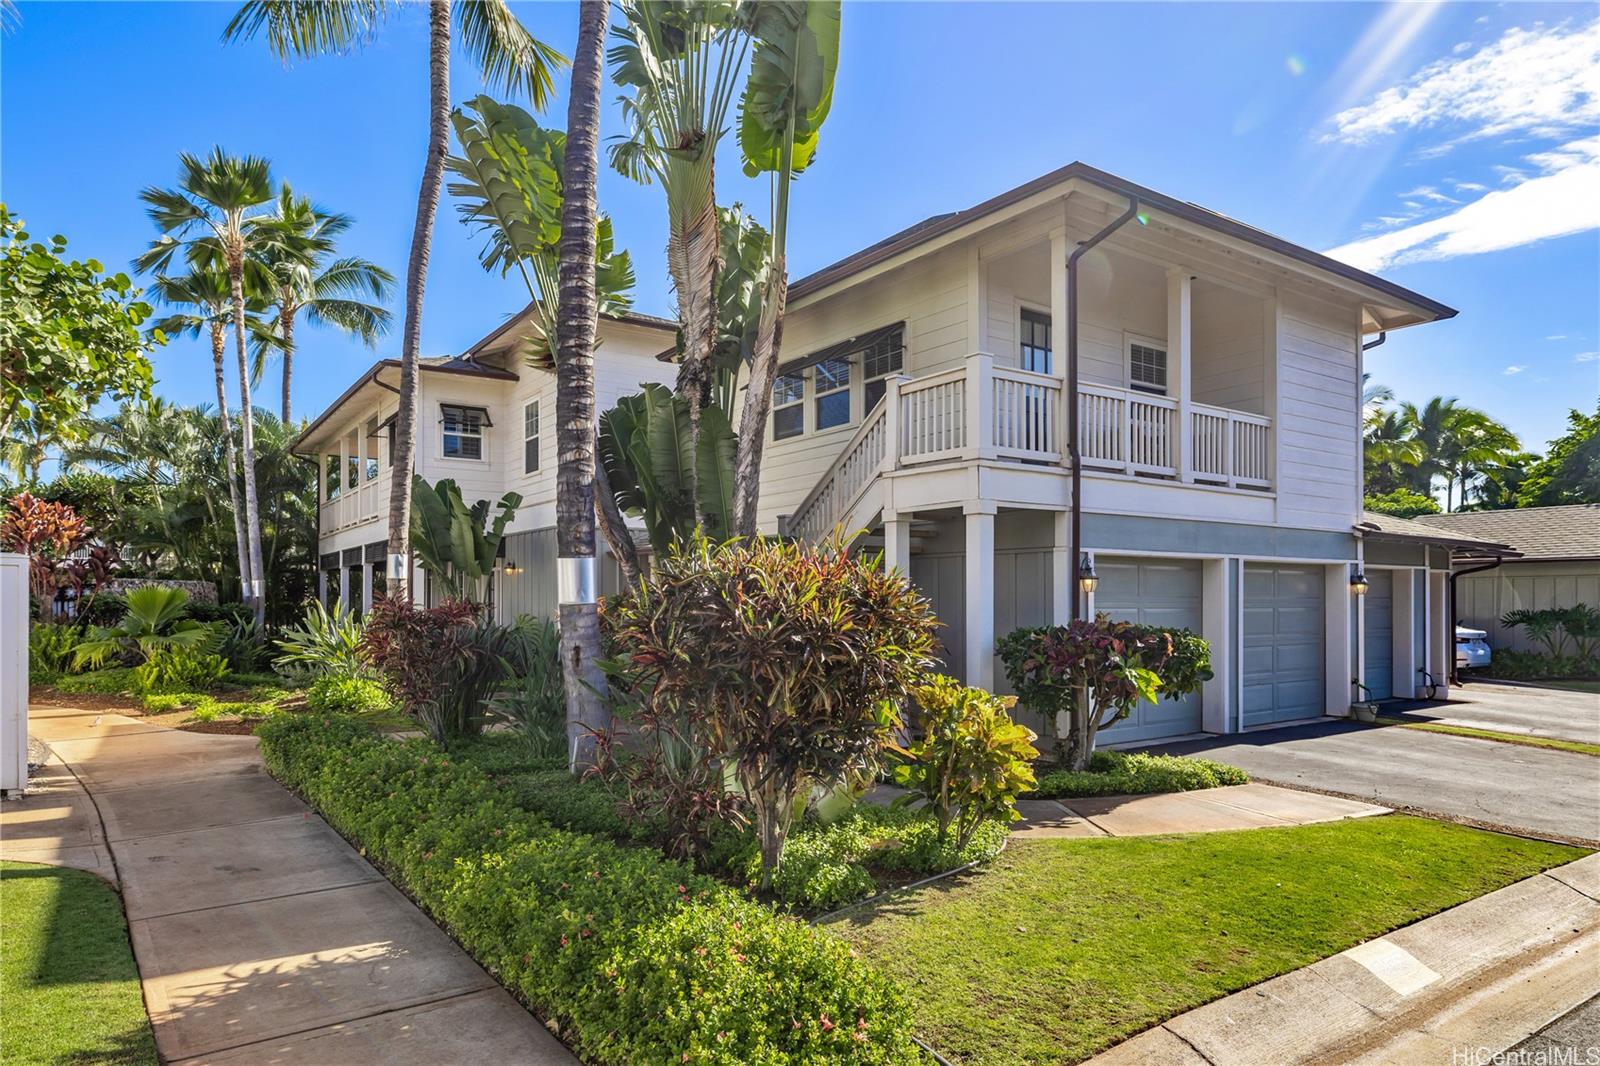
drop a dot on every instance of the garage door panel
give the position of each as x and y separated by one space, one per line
1159 593
1283 643
1378 643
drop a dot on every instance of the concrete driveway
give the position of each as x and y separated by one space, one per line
1552 794
1512 707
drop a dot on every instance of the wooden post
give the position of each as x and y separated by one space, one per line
980 597
1179 365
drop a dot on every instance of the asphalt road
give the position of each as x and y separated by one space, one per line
1553 794
1574 1037
1512 708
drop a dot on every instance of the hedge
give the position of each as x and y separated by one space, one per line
634 956
1117 773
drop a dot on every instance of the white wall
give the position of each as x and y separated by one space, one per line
1229 350
1318 417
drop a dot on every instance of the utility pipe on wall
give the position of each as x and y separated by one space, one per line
1454 672
1072 396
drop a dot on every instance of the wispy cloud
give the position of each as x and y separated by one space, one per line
1556 337
1511 370
1543 81
1586 357
1564 199
1470 186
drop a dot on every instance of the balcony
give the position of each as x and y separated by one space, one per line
980 412
354 507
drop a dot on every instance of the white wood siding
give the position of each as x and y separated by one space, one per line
1318 414
1229 349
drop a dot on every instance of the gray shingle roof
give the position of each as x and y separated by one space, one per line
1567 532
1381 525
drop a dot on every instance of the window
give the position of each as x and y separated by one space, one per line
880 359
788 406
331 478
1033 349
530 437
463 431
372 456
1147 368
833 392
353 466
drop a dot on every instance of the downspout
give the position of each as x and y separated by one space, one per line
1076 548
1383 335
1450 602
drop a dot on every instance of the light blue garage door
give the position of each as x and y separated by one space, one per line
1283 649
1378 617
1162 592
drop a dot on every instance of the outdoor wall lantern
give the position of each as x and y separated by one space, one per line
512 569
1088 580
1358 581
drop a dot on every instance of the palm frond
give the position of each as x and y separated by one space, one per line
301 28
507 55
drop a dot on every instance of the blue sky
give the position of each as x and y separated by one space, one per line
1456 148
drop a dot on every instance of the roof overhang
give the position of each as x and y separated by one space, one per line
1401 531
496 339
1385 305
373 384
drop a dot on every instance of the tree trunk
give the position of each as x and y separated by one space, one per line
758 405
286 327
612 524
575 414
247 441
694 259
772 826
219 347
403 462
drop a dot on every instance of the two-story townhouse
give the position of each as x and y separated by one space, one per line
485 418
924 406
925 399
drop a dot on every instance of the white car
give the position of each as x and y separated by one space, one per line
1472 648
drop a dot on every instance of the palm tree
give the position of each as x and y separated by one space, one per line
1387 453
575 326
305 278
1455 442
209 296
208 218
1374 394
506 54
682 65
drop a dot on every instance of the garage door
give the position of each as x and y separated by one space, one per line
1283 656
1378 616
1158 593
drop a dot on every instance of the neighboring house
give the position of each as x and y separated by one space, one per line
484 418
922 400
1559 565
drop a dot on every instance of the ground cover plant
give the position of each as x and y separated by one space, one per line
1527 740
1063 947
67 976
634 956
1116 773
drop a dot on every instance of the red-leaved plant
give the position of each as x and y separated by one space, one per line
44 531
422 654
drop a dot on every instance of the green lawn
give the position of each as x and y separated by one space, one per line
1574 686
67 976
1063 947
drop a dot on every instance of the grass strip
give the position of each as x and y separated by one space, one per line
1526 740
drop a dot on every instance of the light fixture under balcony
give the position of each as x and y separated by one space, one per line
1358 581
1088 580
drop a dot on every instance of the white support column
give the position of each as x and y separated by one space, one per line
1270 339
1441 632
322 584
1358 637
366 587
1180 345
1336 598
977 313
1404 621
1216 627
979 403
344 583
897 543
980 598
1061 590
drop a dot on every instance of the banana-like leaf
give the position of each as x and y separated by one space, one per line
511 188
646 447
454 542
790 87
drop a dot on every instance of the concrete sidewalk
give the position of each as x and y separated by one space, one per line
1460 986
1252 806
261 936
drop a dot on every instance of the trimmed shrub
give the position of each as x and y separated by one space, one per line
1116 773
336 692
634 956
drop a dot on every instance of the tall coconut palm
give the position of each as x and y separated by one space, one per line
1387 453
575 327
208 217
208 299
505 53
306 278
681 64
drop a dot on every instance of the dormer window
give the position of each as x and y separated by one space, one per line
462 431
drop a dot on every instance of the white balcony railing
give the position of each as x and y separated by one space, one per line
352 507
979 411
